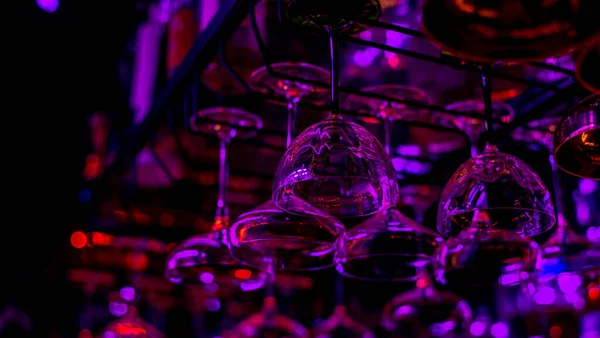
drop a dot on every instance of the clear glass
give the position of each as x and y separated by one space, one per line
130 325
303 239
268 323
506 188
334 165
338 167
426 312
388 247
474 127
340 321
420 198
205 259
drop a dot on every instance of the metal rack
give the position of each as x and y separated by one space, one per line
550 98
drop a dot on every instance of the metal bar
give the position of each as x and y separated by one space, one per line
225 22
418 34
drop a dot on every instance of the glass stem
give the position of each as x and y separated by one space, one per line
486 83
560 211
339 290
387 131
335 73
291 120
222 214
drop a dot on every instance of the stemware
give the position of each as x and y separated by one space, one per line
206 258
388 246
340 320
130 324
426 311
268 322
588 64
307 238
420 198
577 140
487 208
509 30
474 127
294 91
335 165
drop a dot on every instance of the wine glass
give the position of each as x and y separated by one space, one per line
388 246
577 139
340 320
294 91
335 165
426 311
474 127
487 208
307 238
268 322
130 324
205 258
420 198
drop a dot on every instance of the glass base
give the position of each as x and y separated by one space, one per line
226 122
206 261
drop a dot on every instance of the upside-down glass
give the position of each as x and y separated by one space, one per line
205 258
307 238
335 165
388 246
474 127
491 203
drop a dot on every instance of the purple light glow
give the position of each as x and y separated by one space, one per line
49 6
499 330
593 234
477 329
117 308
127 293
545 296
212 304
587 186
207 277
569 283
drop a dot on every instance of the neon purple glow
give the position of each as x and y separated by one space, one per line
207 277
587 186
117 308
569 283
49 6
545 296
477 329
127 293
593 234
364 58
499 330
212 304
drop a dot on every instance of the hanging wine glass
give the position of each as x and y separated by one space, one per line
487 206
205 259
268 322
335 165
340 322
263 81
130 324
474 127
577 140
420 198
426 311
307 238
389 246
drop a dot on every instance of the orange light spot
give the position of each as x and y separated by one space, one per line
167 220
78 239
242 273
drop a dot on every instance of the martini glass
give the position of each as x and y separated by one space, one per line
335 165
205 258
491 203
388 246
307 238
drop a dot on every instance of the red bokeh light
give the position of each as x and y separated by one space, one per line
78 239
